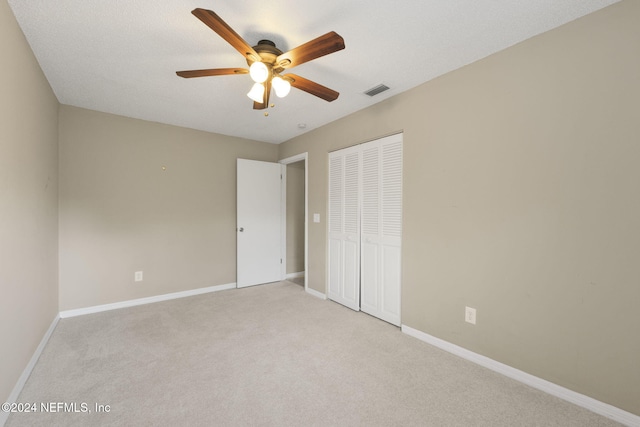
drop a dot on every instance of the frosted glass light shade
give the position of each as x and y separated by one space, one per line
281 86
259 72
257 92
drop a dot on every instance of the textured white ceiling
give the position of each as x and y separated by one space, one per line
120 56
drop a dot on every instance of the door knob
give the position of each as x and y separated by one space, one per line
241 229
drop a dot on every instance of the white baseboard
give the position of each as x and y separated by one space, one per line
308 289
142 301
586 402
13 397
316 293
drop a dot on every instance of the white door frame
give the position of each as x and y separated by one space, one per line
293 159
373 309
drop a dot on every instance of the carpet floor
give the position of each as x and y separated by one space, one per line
269 355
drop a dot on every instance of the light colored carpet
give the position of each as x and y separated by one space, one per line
269 355
297 280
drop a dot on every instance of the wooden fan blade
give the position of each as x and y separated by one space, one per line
211 72
321 46
312 87
216 23
267 92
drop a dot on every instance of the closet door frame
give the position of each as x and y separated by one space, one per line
366 263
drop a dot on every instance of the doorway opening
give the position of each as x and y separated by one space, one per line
295 219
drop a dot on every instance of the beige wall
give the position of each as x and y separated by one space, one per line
120 212
521 200
295 217
28 203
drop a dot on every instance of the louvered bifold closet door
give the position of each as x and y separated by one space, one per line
344 227
382 228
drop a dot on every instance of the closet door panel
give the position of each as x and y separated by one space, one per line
382 227
391 232
344 228
351 230
335 226
370 283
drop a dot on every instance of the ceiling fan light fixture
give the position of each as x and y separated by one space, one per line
266 62
259 72
281 86
257 92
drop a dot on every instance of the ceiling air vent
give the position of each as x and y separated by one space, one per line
376 90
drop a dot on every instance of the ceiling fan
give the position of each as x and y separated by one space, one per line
267 62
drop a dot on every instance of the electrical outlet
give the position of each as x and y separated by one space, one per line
470 315
137 276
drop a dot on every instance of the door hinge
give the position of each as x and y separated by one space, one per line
280 260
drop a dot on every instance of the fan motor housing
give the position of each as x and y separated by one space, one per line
268 52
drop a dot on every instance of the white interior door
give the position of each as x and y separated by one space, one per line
344 228
259 222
